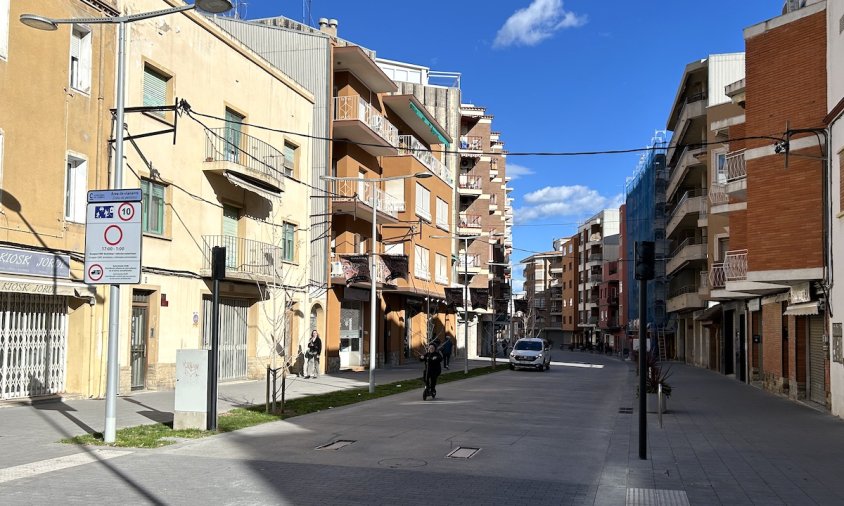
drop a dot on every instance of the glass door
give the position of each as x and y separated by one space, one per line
350 334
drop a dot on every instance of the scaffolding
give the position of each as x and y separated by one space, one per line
645 220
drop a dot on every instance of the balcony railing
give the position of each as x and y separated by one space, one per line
717 276
736 165
368 193
353 107
683 290
718 194
231 145
410 145
469 262
468 182
245 256
470 220
735 265
472 142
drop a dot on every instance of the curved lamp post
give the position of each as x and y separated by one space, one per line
373 325
51 24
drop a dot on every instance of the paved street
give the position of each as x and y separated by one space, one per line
556 437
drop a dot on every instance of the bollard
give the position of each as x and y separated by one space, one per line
267 404
659 403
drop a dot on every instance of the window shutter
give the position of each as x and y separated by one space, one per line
155 88
80 191
85 63
4 28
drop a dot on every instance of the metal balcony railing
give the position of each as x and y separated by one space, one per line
736 166
410 145
231 145
468 182
689 241
470 220
735 265
717 276
472 142
245 256
683 290
353 107
368 193
469 262
718 194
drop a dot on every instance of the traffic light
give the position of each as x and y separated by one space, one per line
645 258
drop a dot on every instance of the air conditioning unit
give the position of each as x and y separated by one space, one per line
336 269
465 163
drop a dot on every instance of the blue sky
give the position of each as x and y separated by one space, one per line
558 75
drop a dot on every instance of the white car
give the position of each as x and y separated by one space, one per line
531 352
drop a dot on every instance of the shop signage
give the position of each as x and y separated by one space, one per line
33 263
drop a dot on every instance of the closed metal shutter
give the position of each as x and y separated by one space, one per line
155 88
817 392
232 361
33 345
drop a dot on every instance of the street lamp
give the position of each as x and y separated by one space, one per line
50 24
465 239
373 325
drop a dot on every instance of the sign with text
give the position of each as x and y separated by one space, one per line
33 263
113 239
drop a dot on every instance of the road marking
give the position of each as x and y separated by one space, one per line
50 465
578 364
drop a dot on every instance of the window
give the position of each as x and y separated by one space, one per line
288 243
4 28
423 202
442 269
720 166
155 88
442 214
80 58
75 189
153 207
289 159
420 263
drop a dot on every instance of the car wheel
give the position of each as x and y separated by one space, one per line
512 367
547 366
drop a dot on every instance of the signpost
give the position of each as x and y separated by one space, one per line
113 237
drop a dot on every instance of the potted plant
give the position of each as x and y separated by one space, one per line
655 377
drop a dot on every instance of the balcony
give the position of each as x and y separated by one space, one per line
411 146
687 211
356 120
246 259
717 276
735 265
689 158
470 224
471 143
469 263
357 197
493 168
244 160
594 259
694 107
470 185
685 298
736 166
556 309
556 292
609 323
686 252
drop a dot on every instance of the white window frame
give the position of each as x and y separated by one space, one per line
4 29
75 188
719 174
442 269
442 214
394 249
421 263
79 70
423 202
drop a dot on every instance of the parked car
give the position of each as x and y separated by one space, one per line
531 352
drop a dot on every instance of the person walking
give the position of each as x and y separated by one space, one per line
445 349
312 355
432 359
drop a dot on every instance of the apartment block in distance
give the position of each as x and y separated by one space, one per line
599 242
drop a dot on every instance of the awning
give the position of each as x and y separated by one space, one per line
47 286
709 313
806 308
238 180
434 129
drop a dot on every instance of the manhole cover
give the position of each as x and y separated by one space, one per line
335 445
625 411
463 453
399 463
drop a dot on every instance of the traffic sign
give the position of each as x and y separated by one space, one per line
113 235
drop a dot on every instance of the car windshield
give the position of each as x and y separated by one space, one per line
529 345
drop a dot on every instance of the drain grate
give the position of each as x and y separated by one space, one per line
335 445
650 497
463 453
625 411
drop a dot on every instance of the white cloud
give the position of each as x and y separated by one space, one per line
532 24
518 285
517 171
577 200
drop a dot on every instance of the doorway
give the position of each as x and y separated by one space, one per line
351 332
139 339
729 354
742 333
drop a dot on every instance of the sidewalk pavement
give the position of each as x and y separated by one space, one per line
30 432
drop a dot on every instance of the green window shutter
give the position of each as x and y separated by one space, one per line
144 204
152 215
288 243
155 88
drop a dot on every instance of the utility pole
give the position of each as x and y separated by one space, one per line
645 257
